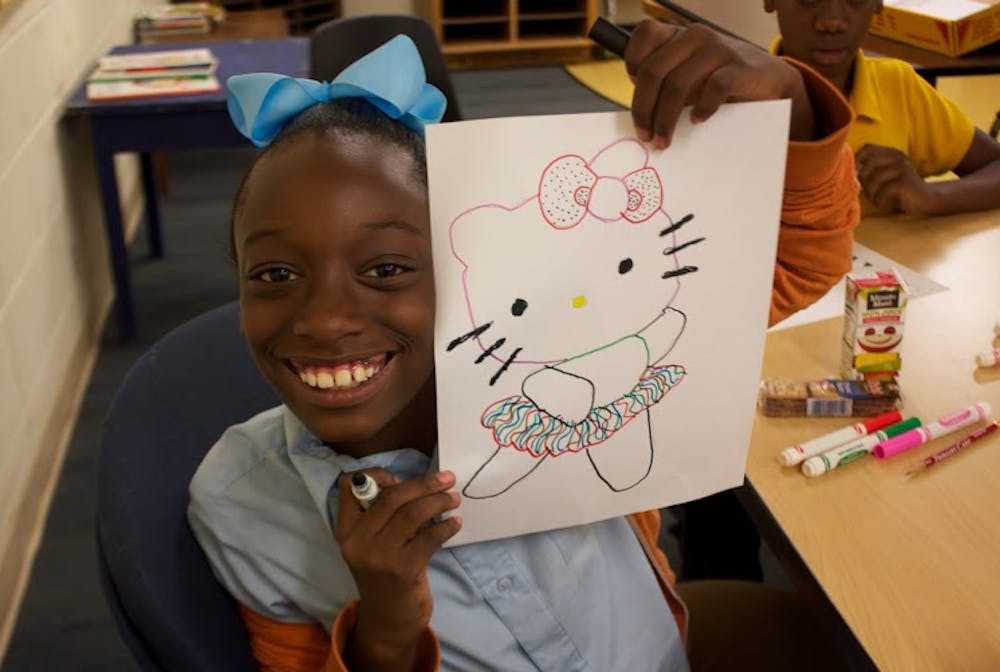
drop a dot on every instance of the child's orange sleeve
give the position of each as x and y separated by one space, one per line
819 207
307 647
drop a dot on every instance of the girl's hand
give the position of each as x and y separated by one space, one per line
387 549
675 66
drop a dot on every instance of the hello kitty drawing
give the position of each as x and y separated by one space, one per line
595 239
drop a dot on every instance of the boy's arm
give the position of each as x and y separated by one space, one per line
819 207
673 67
890 181
307 647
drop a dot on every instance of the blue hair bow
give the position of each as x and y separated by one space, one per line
391 78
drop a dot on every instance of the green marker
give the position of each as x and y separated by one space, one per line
841 455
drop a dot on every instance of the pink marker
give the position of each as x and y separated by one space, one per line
933 430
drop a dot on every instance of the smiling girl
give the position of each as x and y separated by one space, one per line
331 235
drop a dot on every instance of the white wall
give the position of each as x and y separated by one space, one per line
54 276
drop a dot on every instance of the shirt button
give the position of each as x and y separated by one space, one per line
505 584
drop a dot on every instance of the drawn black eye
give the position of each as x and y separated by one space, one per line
625 265
518 307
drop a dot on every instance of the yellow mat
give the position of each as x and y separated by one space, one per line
975 94
605 78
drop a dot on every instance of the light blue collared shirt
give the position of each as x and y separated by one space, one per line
580 598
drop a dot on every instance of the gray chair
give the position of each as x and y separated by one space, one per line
175 402
336 44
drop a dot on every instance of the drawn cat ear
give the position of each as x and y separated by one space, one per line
564 191
478 231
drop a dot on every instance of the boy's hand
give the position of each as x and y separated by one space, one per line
890 182
387 549
673 67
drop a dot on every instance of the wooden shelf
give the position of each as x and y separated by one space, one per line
302 15
548 16
468 20
482 33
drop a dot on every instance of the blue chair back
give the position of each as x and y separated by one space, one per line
172 406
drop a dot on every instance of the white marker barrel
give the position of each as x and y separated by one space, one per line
793 455
852 450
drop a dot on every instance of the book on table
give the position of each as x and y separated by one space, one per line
192 72
149 88
178 19
153 73
149 60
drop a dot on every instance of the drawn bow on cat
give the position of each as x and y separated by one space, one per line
583 312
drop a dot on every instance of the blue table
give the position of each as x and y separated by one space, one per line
169 123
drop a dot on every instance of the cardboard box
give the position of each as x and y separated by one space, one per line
952 27
874 312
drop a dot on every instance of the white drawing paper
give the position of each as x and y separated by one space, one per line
865 260
601 310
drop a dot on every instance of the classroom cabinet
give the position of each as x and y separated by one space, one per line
511 32
302 15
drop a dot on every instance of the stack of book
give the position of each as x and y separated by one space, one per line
153 73
188 18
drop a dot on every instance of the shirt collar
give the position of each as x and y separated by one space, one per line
864 91
863 99
320 466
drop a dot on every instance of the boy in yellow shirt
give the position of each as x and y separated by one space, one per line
904 130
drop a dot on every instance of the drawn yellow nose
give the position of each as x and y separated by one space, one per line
579 301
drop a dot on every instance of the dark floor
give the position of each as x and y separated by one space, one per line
63 624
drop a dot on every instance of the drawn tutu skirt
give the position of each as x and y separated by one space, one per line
516 422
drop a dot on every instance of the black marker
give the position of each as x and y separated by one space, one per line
364 488
612 37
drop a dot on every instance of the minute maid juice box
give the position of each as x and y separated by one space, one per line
873 325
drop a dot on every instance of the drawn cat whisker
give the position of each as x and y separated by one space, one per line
678 248
489 351
468 336
678 224
683 270
506 364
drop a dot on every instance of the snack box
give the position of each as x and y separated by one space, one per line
874 317
952 27
827 397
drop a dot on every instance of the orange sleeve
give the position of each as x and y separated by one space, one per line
819 208
306 647
647 527
647 524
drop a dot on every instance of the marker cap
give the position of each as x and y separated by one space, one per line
900 427
880 421
610 36
988 358
814 466
898 444
788 457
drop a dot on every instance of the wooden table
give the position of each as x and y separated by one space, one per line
911 566
250 24
748 20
